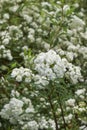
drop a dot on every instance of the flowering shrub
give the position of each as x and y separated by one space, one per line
43 65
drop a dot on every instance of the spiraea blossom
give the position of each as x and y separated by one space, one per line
70 102
5 53
77 23
13 110
22 73
31 125
20 111
49 65
73 72
80 92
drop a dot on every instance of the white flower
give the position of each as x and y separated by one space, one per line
73 72
6 41
12 110
16 103
70 102
77 23
43 123
20 73
83 51
49 65
2 47
27 18
31 31
84 35
69 56
14 72
14 8
6 53
45 4
76 5
25 48
66 8
83 127
19 78
40 81
31 125
80 92
81 109
31 38
15 93
68 118
29 110
6 16
52 124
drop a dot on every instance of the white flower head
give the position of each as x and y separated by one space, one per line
80 92
49 65
70 102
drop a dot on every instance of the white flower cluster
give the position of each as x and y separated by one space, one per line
22 73
5 37
81 93
40 81
68 118
46 124
12 110
84 35
77 23
5 53
43 123
83 51
20 111
73 72
31 125
49 65
70 102
15 31
77 104
80 109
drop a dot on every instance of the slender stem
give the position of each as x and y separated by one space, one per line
62 112
53 112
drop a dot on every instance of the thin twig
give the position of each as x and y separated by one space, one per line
53 112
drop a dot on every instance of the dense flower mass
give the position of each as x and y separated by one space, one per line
15 113
22 73
49 65
12 110
73 73
43 65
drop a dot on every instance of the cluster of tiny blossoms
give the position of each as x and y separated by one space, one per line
5 53
77 106
19 111
22 74
49 66
73 72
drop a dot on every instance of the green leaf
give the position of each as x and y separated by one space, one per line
3 68
13 65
